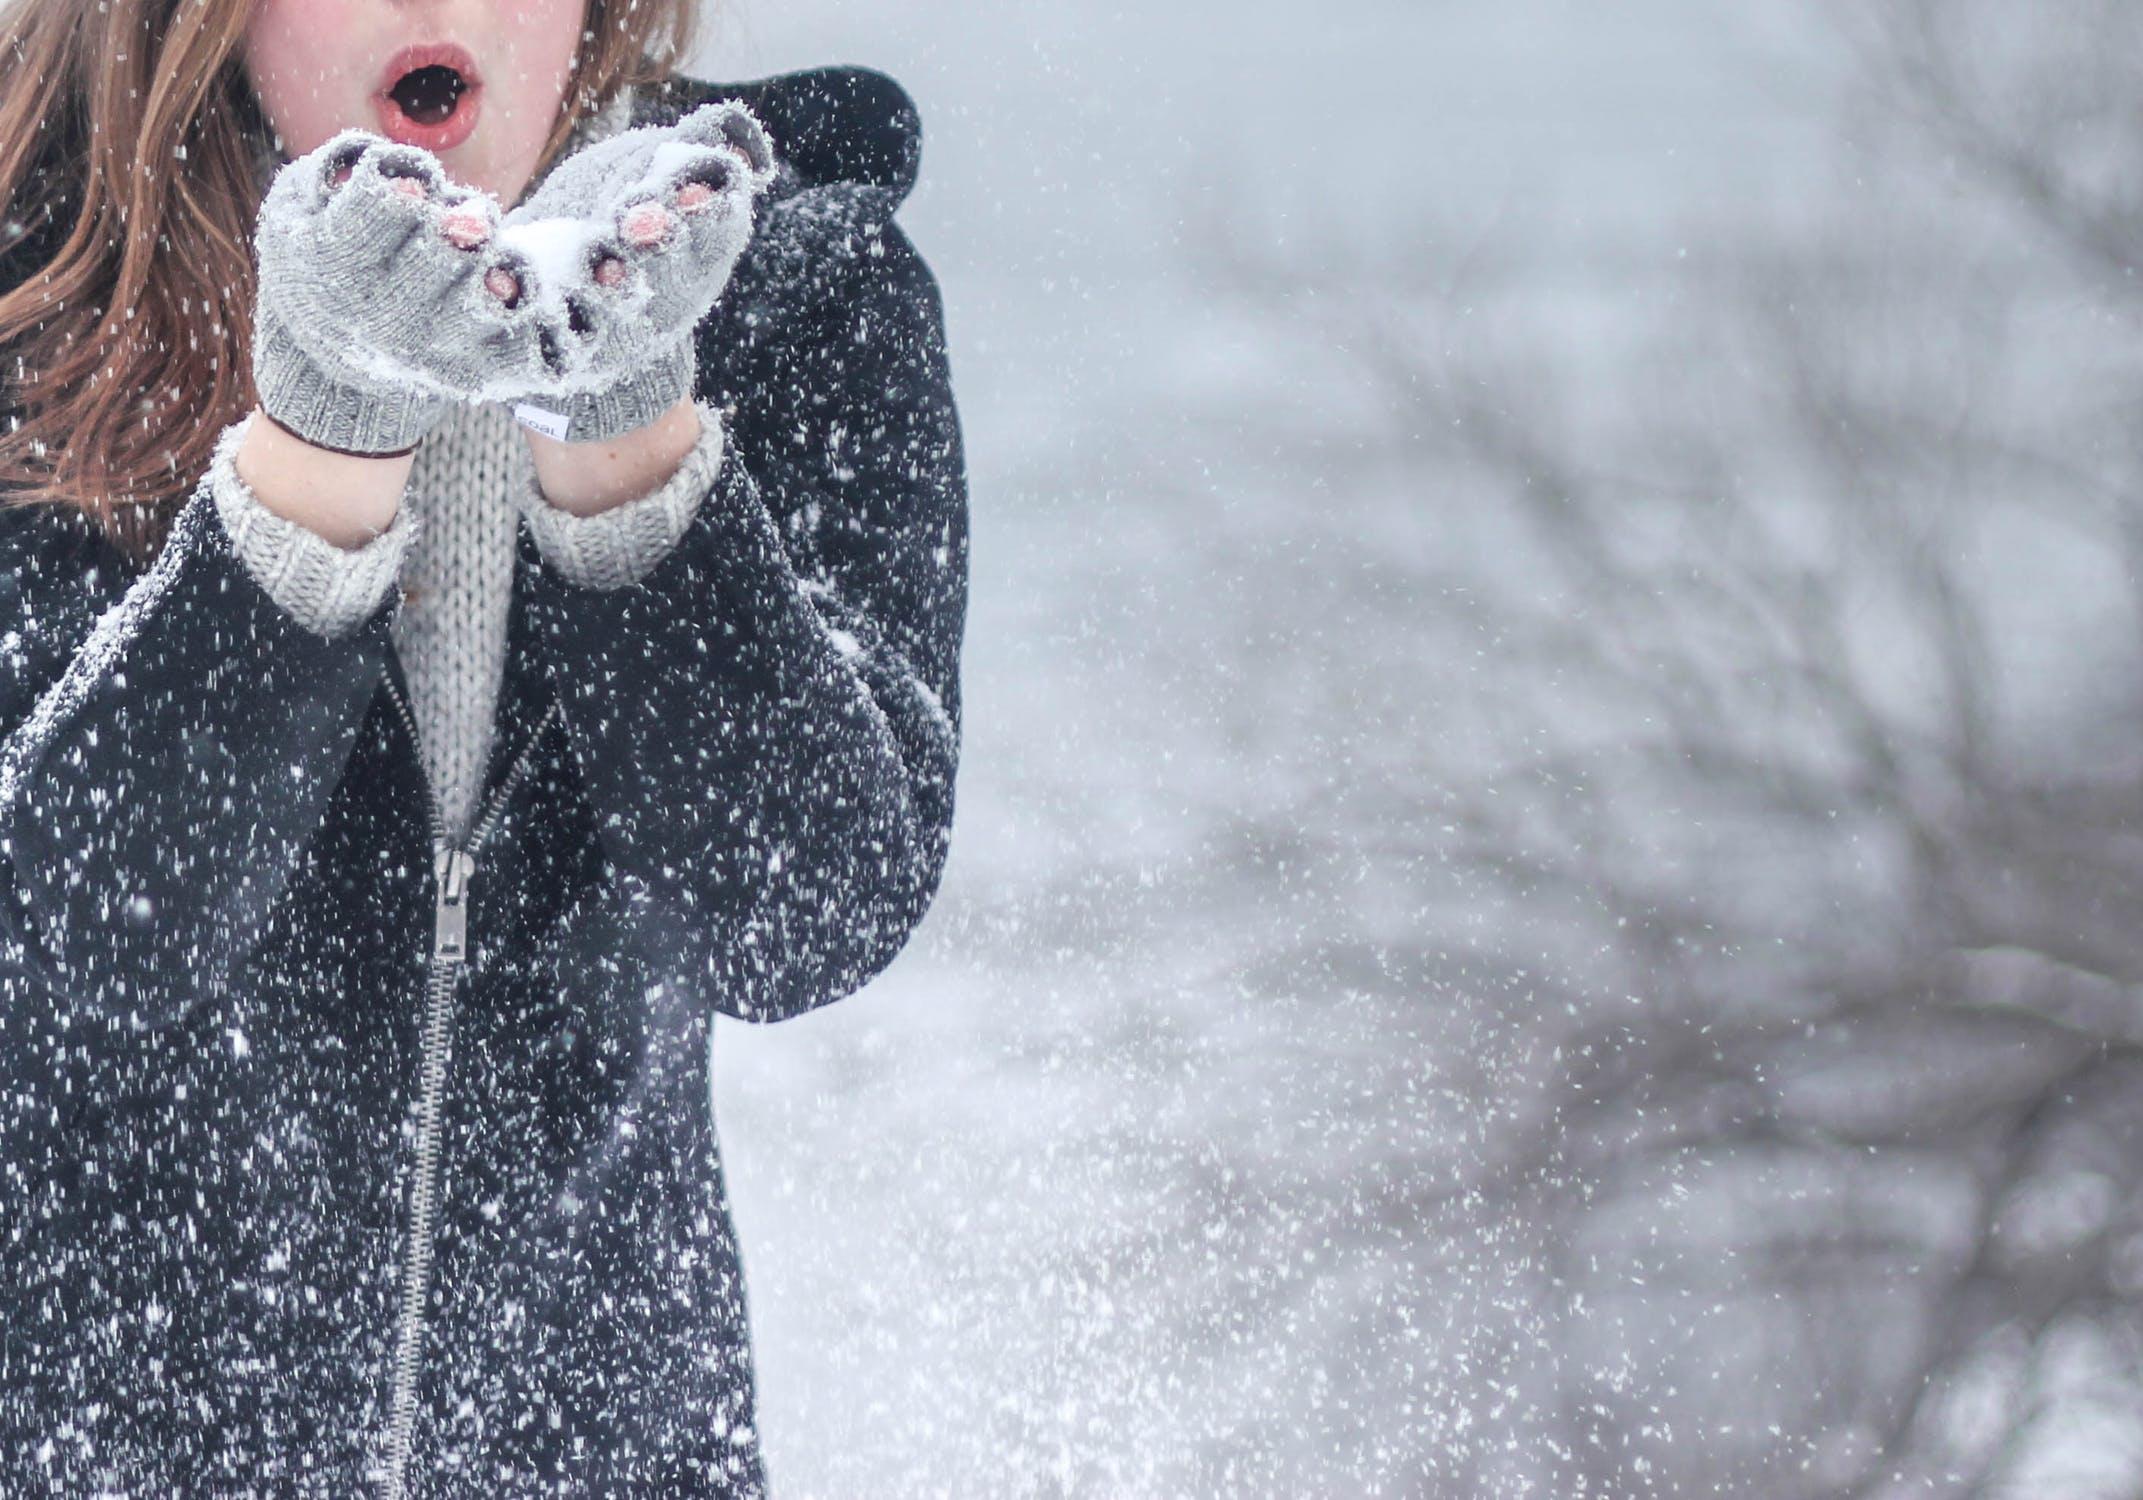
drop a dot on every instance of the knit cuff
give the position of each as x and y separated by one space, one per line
367 418
623 544
328 589
632 403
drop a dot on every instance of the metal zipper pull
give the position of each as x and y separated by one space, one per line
452 870
450 915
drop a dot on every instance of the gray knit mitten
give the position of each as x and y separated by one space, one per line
371 315
613 261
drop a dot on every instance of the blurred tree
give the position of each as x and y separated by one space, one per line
1817 668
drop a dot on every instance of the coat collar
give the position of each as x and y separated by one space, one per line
828 125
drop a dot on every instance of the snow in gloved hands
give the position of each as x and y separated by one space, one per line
599 274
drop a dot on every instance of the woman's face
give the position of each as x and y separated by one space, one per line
403 69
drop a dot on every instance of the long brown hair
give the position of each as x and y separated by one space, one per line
130 143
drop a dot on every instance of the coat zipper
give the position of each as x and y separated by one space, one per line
452 870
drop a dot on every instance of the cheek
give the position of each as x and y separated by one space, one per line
542 35
297 57
526 66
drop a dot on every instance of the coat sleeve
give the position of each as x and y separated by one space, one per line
768 720
172 739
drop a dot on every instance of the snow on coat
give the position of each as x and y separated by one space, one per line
217 923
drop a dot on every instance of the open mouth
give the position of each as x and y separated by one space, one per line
428 96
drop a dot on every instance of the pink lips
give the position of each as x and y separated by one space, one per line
447 133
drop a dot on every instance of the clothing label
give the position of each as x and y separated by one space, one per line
550 423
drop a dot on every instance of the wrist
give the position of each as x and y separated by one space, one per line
585 479
342 498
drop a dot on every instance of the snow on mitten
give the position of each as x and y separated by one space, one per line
371 314
607 268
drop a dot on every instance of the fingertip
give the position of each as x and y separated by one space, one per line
465 227
501 283
644 224
340 158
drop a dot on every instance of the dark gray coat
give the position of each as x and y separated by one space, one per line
725 789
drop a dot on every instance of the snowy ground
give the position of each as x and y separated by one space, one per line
1155 1166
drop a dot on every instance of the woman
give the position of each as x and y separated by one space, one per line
391 794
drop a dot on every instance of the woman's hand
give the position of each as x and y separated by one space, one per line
387 291
607 268
372 313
